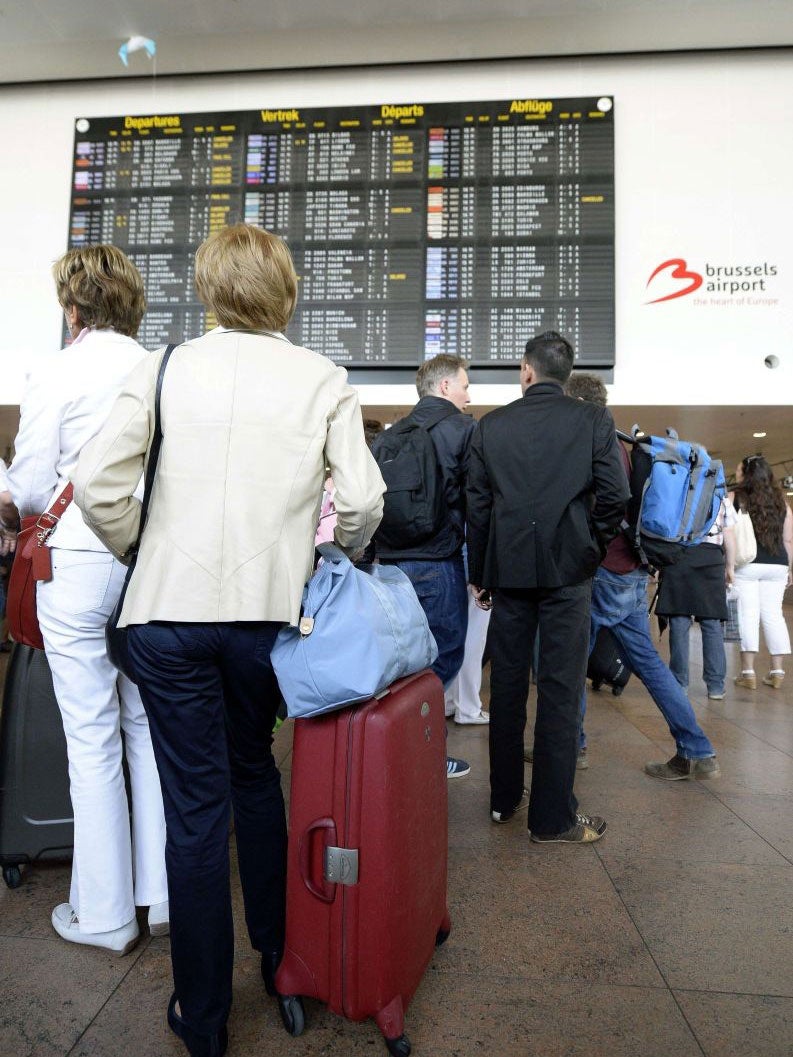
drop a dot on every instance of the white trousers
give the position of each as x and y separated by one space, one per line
113 869
760 589
462 694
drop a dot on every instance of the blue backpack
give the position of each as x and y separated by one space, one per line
676 493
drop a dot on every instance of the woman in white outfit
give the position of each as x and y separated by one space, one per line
68 398
761 584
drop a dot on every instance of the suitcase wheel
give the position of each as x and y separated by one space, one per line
292 1013
399 1047
12 876
596 684
617 690
442 937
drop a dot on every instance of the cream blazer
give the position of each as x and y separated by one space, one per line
249 424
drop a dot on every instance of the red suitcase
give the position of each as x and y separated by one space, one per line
366 876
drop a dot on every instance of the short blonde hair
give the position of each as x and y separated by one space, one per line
103 285
246 277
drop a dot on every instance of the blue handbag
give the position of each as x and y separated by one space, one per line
361 628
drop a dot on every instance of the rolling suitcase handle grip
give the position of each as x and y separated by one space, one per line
327 892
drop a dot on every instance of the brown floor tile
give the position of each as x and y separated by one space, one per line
488 1014
711 926
51 991
26 911
729 1025
518 914
767 815
756 768
679 821
133 1022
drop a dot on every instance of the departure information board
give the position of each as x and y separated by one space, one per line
415 228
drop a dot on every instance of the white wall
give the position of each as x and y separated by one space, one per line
704 156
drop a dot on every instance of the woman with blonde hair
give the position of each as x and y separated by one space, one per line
68 397
761 584
249 424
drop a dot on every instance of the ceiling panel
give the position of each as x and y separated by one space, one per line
52 40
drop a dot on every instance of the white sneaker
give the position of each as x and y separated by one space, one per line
159 924
67 925
482 718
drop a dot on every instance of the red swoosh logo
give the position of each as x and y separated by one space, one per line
679 271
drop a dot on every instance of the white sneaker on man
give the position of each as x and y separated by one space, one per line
67 925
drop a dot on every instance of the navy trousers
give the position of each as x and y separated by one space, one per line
211 697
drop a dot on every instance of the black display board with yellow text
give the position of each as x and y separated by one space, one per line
416 228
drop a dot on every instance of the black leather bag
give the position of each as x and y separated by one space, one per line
116 637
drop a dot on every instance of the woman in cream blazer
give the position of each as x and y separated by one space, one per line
250 422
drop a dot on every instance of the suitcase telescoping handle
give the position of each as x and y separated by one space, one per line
326 891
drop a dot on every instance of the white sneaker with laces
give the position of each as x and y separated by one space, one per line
67 925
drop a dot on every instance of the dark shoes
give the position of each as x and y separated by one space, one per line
197 1045
679 768
457 768
505 816
587 828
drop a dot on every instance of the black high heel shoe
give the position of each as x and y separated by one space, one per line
197 1045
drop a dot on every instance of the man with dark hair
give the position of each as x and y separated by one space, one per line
435 565
535 537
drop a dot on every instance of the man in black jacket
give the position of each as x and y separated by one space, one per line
435 566
546 493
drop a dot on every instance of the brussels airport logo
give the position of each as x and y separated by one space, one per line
732 284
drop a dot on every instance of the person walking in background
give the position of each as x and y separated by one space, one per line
619 603
546 494
249 422
68 397
761 584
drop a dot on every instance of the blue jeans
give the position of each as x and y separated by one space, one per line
619 602
714 661
442 590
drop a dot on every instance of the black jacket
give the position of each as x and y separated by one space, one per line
546 491
452 440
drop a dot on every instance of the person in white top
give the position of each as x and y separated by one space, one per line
68 397
762 582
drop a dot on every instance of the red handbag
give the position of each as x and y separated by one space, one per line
32 562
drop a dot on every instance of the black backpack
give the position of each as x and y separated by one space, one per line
414 506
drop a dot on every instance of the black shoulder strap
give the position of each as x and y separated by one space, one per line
156 443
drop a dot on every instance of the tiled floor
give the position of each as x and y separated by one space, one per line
673 935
